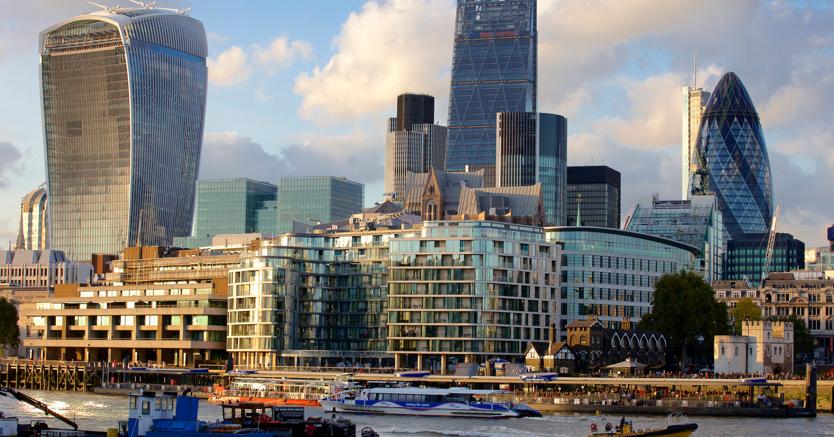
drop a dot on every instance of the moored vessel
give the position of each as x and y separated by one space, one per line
679 428
418 401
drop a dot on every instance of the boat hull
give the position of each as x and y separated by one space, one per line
442 410
679 430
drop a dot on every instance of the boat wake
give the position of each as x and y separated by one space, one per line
477 431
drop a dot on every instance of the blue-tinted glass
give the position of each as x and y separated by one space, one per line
493 70
734 154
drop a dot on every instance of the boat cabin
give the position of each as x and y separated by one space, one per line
146 407
426 395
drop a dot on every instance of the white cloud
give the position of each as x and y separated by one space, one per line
230 67
352 155
385 49
281 53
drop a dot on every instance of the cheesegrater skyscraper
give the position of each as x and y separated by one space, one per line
493 70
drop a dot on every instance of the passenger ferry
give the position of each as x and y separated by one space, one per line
275 392
417 401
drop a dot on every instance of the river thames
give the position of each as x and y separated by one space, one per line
99 412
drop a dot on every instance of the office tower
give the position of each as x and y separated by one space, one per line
414 109
694 101
532 148
746 256
32 232
733 160
413 143
124 97
317 199
593 196
610 274
493 70
696 222
231 206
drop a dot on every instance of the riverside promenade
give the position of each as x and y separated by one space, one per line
694 396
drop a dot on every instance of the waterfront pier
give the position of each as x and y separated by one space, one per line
57 376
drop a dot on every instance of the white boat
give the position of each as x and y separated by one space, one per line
417 401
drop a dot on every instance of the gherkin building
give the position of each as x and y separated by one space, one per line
733 159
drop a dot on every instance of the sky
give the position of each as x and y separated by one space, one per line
305 88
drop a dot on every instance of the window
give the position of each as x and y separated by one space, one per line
146 407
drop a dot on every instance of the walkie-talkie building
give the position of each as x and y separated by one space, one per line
493 70
124 98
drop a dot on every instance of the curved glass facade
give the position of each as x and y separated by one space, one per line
124 95
734 156
610 274
493 70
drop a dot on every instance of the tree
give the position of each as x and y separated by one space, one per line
686 312
9 331
745 309
803 341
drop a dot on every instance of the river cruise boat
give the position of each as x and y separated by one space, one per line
275 392
418 401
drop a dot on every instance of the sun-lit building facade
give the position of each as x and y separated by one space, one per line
311 300
610 274
697 222
468 291
693 104
493 70
33 230
124 98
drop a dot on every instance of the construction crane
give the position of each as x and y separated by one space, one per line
771 241
22 397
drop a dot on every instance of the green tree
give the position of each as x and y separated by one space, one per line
686 312
745 309
803 341
9 331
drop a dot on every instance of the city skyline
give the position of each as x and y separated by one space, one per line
624 113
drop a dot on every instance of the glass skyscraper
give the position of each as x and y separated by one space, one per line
532 148
746 256
697 222
124 97
593 196
231 206
733 158
493 70
317 199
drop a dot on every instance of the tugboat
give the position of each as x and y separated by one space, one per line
171 415
626 429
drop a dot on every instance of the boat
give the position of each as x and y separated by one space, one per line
538 377
413 374
275 392
171 415
626 429
418 401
